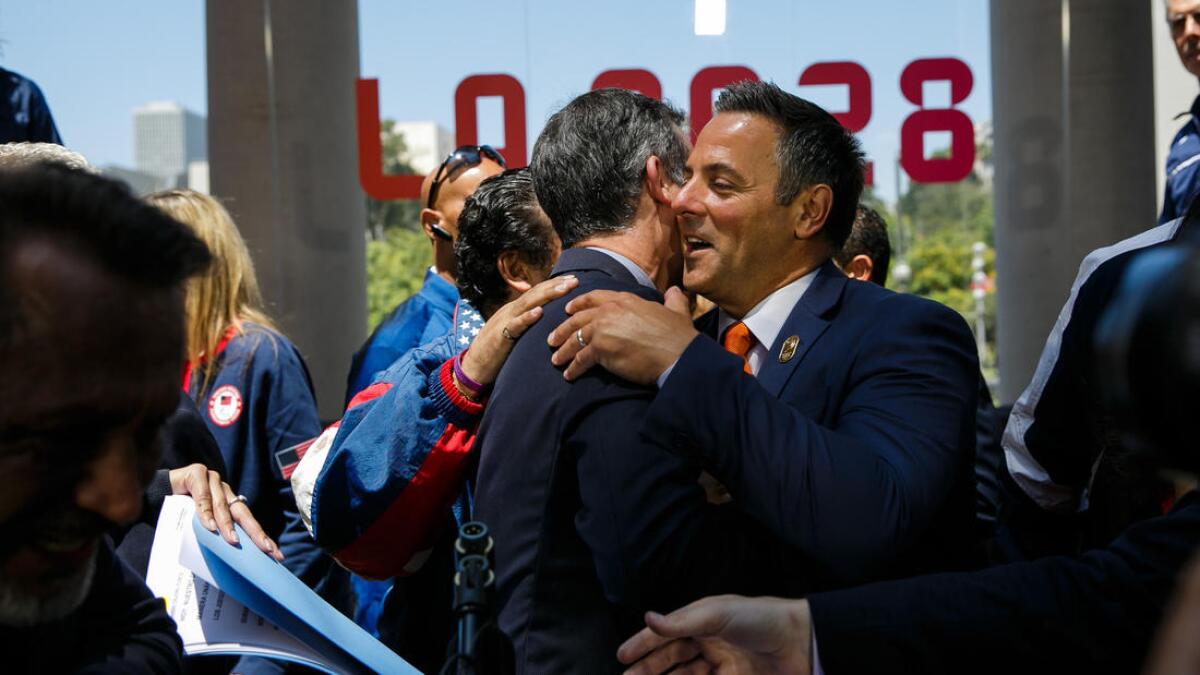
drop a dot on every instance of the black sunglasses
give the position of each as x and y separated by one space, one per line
463 155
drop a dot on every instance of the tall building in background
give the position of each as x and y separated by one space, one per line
167 138
427 144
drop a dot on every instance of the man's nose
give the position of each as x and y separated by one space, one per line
684 198
112 486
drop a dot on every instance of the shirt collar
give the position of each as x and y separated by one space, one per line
767 317
637 272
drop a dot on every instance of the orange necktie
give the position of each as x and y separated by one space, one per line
738 340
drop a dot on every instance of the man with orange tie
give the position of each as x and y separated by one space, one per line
852 438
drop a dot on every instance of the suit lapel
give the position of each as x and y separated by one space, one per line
808 320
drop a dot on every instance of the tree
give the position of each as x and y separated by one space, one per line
403 213
943 222
396 268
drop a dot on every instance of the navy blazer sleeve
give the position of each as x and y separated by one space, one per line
1094 614
857 494
656 541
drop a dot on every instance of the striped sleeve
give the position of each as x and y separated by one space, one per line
1048 442
394 466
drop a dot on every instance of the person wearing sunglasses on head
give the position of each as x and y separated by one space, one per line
428 314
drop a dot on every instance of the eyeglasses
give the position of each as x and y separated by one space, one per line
463 155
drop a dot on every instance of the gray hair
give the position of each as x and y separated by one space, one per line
14 155
590 159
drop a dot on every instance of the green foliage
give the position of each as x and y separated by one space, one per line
396 266
940 224
398 251
386 215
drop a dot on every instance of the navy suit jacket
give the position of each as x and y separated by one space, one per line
857 450
593 524
1094 614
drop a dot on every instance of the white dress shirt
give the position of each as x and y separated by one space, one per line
764 320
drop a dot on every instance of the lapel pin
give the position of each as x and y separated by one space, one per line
788 350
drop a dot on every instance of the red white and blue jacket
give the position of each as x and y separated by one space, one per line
376 487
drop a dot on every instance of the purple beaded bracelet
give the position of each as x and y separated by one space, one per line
470 385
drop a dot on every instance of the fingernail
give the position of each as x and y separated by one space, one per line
211 524
536 311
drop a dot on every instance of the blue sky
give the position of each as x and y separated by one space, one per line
96 61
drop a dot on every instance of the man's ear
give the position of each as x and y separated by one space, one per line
658 184
430 217
515 271
811 210
859 267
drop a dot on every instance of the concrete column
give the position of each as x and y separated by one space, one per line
282 155
1074 155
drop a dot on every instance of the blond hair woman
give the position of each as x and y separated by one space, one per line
250 383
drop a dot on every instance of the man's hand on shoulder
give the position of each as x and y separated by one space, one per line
630 337
489 351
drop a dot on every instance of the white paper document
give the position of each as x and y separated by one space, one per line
212 621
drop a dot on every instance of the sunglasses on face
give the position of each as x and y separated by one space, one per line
464 155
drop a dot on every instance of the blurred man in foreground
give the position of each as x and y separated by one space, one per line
91 312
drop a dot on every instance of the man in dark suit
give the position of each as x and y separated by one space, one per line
850 435
593 524
1092 614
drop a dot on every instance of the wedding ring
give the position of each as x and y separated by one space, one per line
579 338
507 335
238 499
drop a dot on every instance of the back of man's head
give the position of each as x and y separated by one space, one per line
868 237
96 217
501 216
813 148
589 161
24 153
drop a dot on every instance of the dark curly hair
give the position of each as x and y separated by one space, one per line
502 215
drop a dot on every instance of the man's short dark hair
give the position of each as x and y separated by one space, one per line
97 217
501 215
589 161
868 237
813 148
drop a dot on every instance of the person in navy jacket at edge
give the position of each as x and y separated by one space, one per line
253 390
1183 157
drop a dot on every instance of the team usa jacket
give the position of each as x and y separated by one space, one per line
378 485
258 402
385 488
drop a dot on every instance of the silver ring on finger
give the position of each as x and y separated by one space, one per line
240 499
579 338
507 335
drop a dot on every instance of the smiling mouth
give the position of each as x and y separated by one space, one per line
694 244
